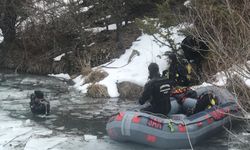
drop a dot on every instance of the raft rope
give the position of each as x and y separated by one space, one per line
170 125
189 139
172 129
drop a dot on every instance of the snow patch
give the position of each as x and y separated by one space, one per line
1 36
61 76
85 9
99 29
89 137
187 3
58 58
221 79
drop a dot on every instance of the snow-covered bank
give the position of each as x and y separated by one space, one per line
132 65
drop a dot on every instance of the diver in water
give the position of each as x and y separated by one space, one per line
38 104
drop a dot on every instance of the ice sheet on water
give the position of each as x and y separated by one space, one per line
60 128
13 94
88 137
44 143
55 103
31 81
13 107
16 132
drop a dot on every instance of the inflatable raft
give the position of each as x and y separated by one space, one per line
176 130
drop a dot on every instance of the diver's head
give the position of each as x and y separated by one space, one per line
153 70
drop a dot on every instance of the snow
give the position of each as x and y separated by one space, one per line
89 137
221 79
44 143
85 9
236 70
61 76
91 44
99 29
132 65
1 36
58 58
187 3
247 82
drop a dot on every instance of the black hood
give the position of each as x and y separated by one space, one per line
153 69
39 94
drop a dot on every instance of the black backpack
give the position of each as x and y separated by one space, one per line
206 101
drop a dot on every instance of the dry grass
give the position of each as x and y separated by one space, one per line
96 76
129 90
225 26
97 91
237 85
86 70
58 67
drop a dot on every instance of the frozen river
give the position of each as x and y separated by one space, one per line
76 122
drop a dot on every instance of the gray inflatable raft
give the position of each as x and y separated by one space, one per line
177 130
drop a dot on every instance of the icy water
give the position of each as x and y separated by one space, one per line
76 121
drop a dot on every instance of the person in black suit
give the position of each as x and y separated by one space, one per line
157 92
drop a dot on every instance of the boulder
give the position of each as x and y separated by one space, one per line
129 90
97 91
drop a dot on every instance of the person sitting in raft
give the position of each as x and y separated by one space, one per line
157 92
38 104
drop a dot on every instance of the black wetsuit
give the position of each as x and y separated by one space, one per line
157 92
178 73
39 105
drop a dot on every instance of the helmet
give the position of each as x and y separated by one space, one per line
38 94
153 69
172 56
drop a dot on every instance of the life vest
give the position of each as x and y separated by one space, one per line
205 101
183 72
180 90
189 71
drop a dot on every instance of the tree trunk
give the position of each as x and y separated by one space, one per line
7 25
119 36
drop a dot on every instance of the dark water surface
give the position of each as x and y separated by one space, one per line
73 113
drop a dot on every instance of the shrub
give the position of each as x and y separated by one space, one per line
97 91
237 86
86 70
96 76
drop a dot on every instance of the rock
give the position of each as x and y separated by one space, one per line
97 91
129 90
